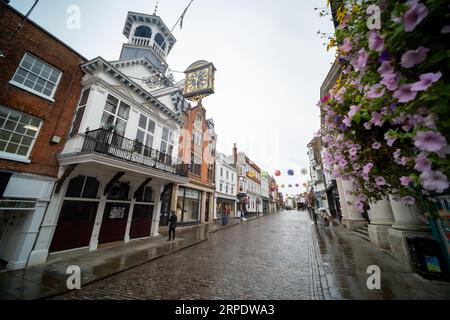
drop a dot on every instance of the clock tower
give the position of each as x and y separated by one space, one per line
148 37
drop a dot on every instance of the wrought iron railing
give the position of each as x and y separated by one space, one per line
112 144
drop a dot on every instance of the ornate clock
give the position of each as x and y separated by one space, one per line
199 81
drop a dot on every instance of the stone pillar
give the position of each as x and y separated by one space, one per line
382 219
203 207
40 252
353 219
173 204
156 211
130 219
407 224
342 198
93 244
211 207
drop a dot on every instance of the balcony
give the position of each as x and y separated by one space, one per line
148 42
108 143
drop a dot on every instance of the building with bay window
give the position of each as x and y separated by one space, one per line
119 164
39 92
195 201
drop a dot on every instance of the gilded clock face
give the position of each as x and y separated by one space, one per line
198 80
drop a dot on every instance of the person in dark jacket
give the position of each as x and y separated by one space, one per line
172 225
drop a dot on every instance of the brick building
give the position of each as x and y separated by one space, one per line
198 151
39 90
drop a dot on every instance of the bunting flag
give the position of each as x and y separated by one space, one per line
278 173
290 172
264 174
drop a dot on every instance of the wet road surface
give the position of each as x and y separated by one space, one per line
281 256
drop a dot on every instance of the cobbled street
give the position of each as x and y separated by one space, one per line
267 258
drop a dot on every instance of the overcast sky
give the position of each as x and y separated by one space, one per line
270 65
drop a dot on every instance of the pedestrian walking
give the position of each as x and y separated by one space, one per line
172 225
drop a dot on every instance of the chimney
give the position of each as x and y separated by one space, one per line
235 154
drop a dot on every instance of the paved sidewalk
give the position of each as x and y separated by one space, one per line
49 279
344 258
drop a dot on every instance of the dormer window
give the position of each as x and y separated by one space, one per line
143 32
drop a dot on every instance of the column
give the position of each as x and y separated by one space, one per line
40 252
215 208
203 207
130 219
93 244
342 198
354 219
212 199
382 220
156 211
173 205
407 224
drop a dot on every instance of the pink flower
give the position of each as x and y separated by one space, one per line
405 94
368 125
359 206
353 111
359 62
347 121
342 163
416 13
422 163
405 181
385 68
408 201
380 181
390 81
376 91
367 168
430 141
426 80
389 139
376 42
376 119
445 29
376 145
412 57
347 45
434 181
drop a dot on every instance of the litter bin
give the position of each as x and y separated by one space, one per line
427 258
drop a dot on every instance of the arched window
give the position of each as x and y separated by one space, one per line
159 39
143 31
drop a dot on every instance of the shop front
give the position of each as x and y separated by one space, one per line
224 204
189 205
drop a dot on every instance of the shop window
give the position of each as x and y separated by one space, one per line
189 201
142 211
119 191
83 187
145 195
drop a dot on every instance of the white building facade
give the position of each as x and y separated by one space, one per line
226 187
121 154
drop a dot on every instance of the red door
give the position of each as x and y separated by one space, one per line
114 222
142 221
75 224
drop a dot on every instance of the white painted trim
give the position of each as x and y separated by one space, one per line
14 157
21 86
122 164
